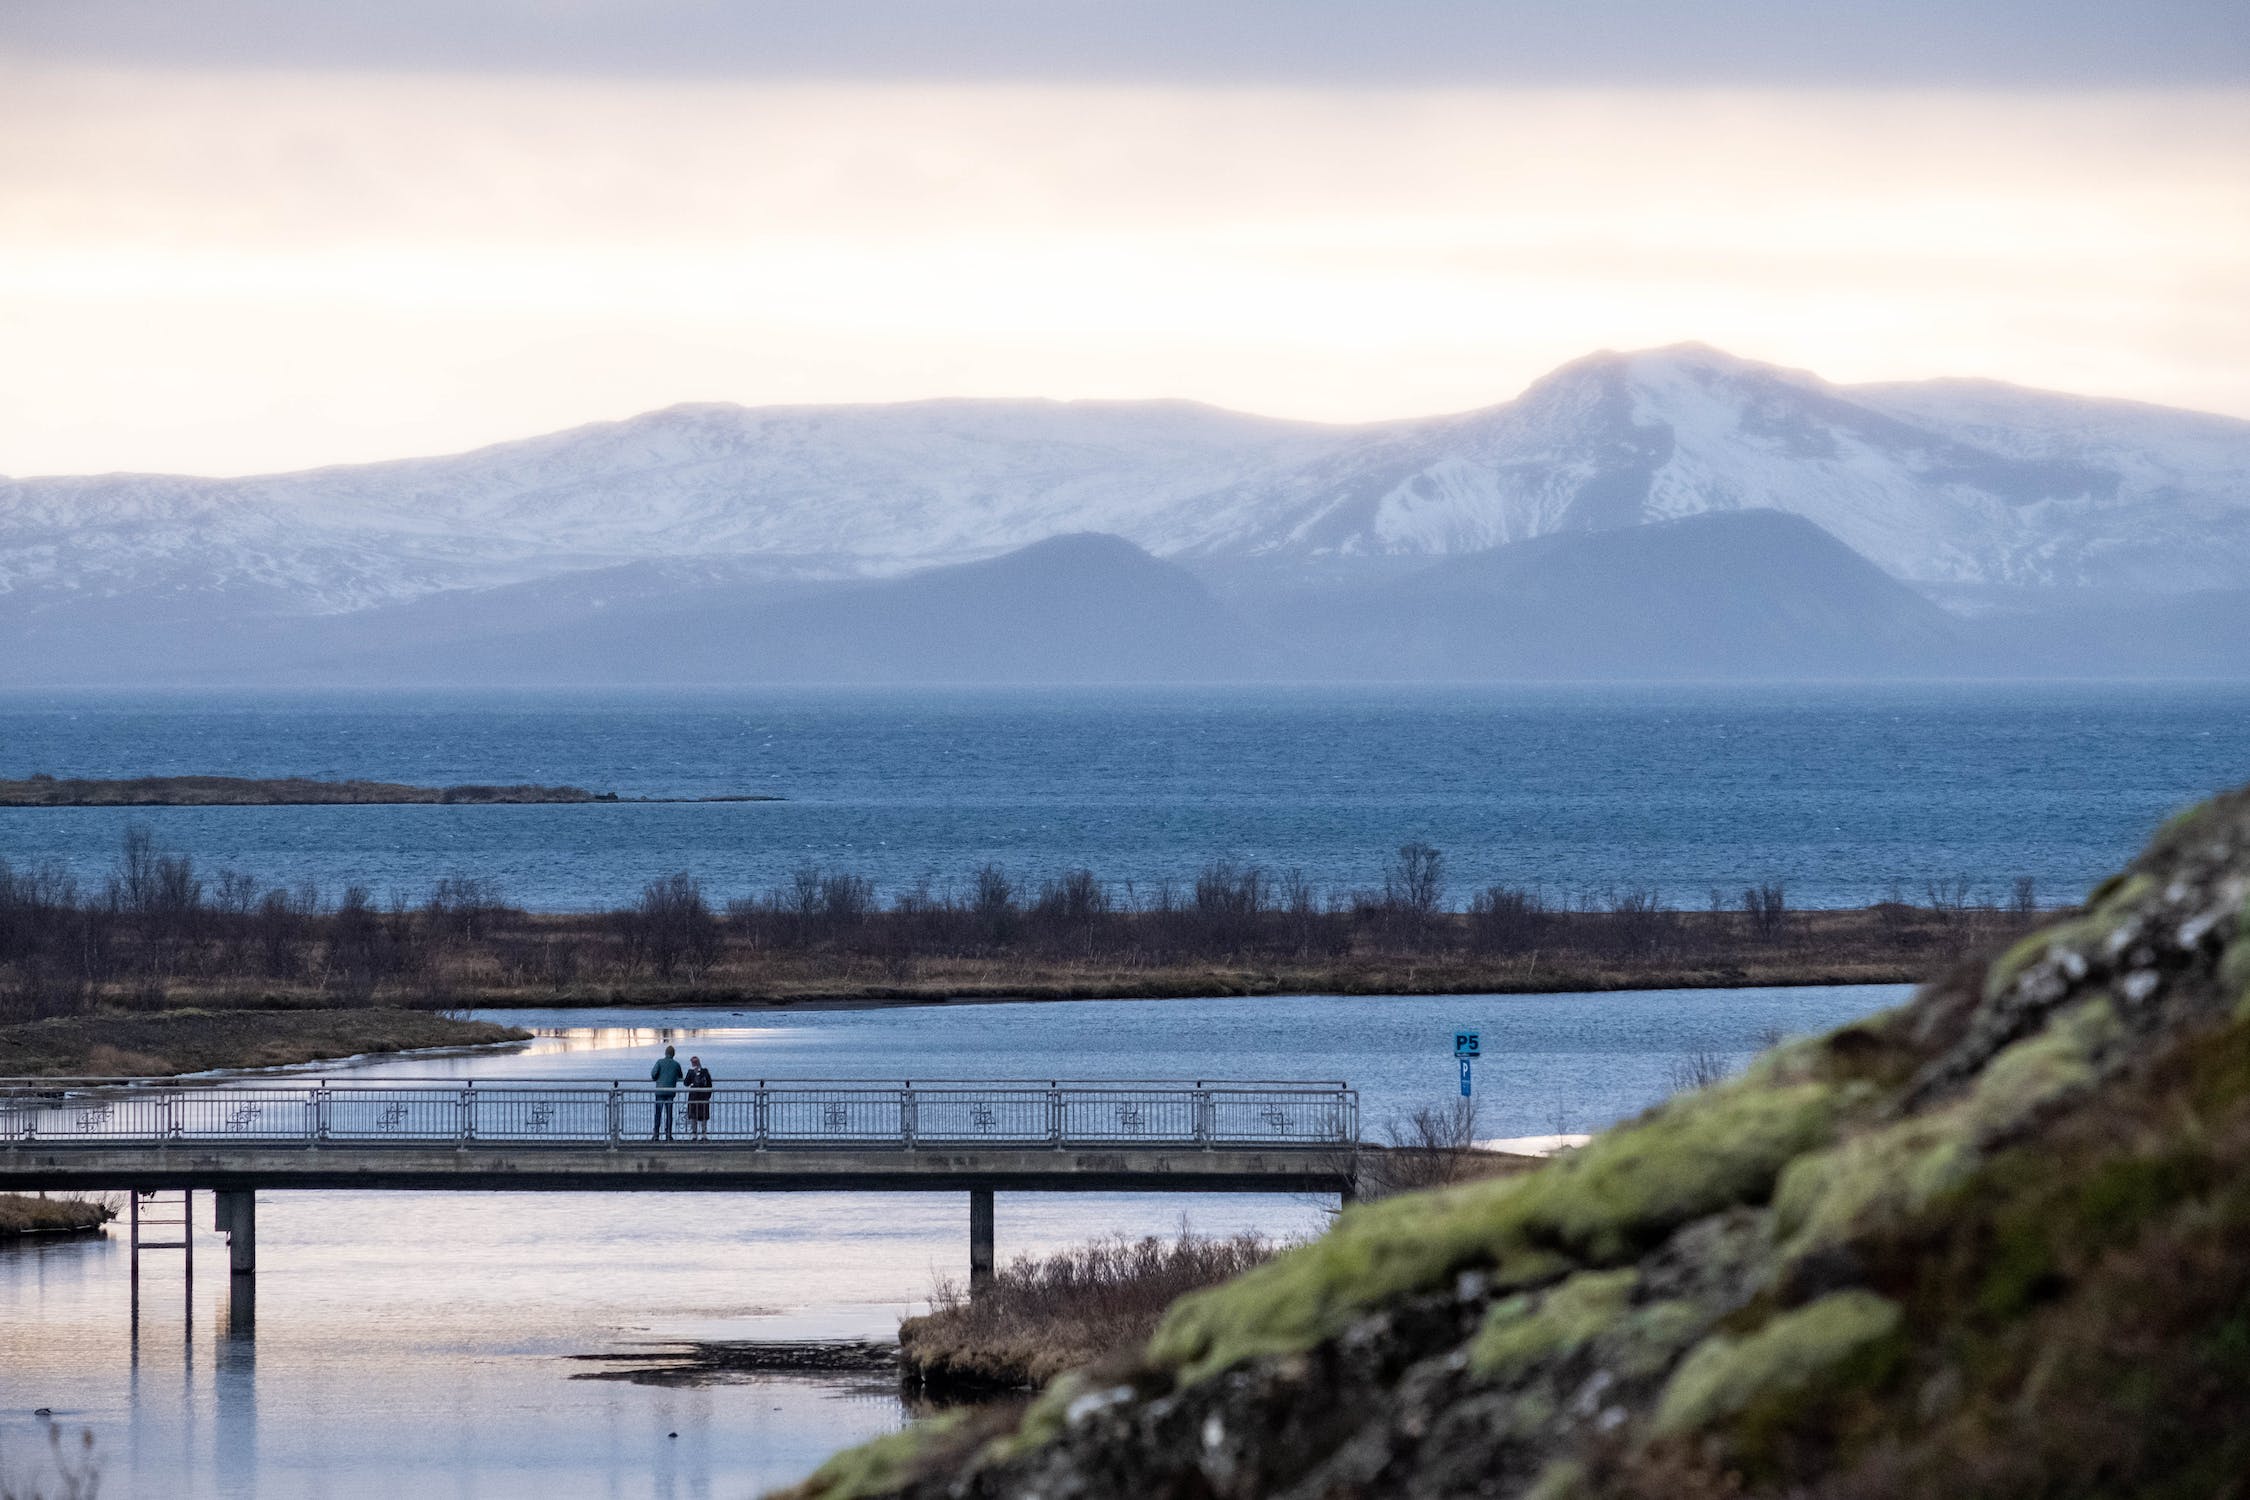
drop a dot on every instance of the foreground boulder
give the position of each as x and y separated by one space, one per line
1995 1242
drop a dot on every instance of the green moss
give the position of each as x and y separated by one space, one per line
2041 1069
1373 1254
1528 1330
2104 917
1870 1181
1043 1421
1650 1337
880 1467
1564 1479
2181 821
1601 1205
2050 1219
1794 1355
1629 1189
2234 964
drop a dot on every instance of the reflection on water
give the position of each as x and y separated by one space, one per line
416 1342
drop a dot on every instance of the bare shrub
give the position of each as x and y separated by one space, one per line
1507 919
670 929
2024 899
1949 899
466 907
1428 1146
1767 907
1414 887
1699 1069
1044 1314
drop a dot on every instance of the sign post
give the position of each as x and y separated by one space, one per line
1467 1046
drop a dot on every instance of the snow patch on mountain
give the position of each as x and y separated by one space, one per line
1944 483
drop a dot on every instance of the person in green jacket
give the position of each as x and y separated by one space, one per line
666 1075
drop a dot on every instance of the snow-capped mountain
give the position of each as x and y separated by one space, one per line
1940 483
1949 482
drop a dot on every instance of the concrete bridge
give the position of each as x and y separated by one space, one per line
235 1136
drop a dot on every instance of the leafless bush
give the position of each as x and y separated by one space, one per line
1044 1314
466 907
1638 922
670 929
1414 886
1698 1069
1507 919
2024 899
1428 1146
1949 899
1767 907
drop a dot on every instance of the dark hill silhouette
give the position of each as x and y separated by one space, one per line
1082 608
1735 594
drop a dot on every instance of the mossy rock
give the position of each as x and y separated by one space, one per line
1794 1356
1531 1329
1601 1205
882 1466
1870 1181
2113 906
2042 1070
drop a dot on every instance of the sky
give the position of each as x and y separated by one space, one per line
246 235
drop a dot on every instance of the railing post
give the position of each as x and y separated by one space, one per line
1202 1109
468 1123
906 1114
1055 1113
759 1118
616 1109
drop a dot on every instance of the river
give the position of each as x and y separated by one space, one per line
412 1343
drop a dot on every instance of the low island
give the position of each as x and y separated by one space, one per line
293 791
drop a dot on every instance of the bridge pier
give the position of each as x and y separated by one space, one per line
234 1213
980 1239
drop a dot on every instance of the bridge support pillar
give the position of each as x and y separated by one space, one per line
234 1213
980 1239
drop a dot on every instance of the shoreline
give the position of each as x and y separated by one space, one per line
191 1042
769 1005
51 792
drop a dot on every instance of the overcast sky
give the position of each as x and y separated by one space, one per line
270 233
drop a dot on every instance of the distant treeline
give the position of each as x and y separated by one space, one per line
157 929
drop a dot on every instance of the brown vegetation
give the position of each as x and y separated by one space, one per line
192 1041
160 931
1043 1315
263 791
20 1213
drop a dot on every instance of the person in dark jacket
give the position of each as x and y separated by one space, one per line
698 1082
666 1076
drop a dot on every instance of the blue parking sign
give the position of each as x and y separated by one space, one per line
1467 1044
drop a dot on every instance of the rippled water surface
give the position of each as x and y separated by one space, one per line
1836 791
419 1343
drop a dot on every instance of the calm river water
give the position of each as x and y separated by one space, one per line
422 1343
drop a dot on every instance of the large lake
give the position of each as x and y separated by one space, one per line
1845 794
420 1344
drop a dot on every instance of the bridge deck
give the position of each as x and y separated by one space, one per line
767 1136
676 1168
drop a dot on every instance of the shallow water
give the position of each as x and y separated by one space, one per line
418 1343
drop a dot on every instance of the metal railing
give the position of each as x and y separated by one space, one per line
770 1113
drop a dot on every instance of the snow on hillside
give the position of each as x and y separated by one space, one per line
1944 482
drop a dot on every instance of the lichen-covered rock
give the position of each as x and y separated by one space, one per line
1996 1242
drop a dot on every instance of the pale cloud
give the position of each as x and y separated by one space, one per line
238 271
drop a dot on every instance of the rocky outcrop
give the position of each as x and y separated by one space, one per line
1994 1242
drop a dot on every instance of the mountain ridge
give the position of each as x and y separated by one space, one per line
1987 497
